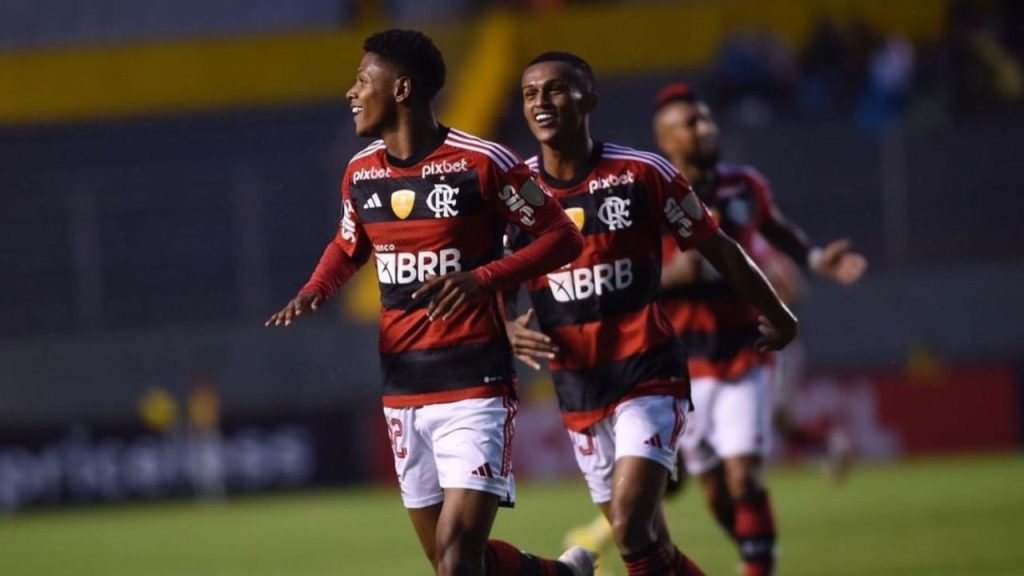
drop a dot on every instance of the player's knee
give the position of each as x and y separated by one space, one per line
455 562
457 556
632 531
743 483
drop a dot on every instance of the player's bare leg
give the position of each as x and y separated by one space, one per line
718 499
638 522
454 536
424 521
462 529
754 521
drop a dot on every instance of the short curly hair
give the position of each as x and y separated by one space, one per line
415 55
582 67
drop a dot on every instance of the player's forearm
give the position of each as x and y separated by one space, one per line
743 274
788 239
333 271
554 247
509 299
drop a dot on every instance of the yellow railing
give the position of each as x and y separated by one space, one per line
104 82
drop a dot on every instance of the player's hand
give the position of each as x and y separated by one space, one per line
838 263
450 293
774 336
529 344
305 302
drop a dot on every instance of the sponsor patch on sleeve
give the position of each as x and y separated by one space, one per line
532 193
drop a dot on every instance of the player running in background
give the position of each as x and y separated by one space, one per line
726 439
430 205
823 436
619 372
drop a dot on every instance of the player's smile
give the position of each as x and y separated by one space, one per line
545 118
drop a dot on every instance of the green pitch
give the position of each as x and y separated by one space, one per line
929 518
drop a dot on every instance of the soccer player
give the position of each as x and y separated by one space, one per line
619 373
824 436
725 440
430 204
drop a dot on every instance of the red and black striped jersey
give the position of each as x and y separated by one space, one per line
602 310
716 324
440 212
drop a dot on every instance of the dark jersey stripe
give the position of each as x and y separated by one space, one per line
700 291
449 368
605 384
721 345
470 200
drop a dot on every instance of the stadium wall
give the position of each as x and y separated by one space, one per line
125 80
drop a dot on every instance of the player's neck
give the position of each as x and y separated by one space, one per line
691 172
411 134
567 161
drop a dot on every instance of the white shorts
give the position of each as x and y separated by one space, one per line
464 444
647 427
729 419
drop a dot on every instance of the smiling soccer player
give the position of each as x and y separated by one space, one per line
619 372
430 203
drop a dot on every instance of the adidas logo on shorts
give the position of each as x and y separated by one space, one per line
484 471
654 441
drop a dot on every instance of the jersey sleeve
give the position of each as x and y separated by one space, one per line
764 202
523 203
347 251
686 218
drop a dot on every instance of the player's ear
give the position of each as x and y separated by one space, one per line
403 89
589 102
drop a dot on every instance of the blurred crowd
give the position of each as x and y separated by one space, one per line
858 71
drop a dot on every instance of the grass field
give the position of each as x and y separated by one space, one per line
943 517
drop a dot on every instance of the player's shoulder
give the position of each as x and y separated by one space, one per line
741 173
640 160
368 154
533 163
367 164
483 151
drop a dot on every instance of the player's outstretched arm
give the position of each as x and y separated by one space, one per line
304 302
778 326
836 261
336 267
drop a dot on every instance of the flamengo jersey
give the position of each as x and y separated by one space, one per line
439 213
716 324
602 310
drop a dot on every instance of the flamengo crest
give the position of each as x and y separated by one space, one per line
442 201
614 212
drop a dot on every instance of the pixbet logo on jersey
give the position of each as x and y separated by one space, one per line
610 181
409 267
582 283
371 174
444 167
